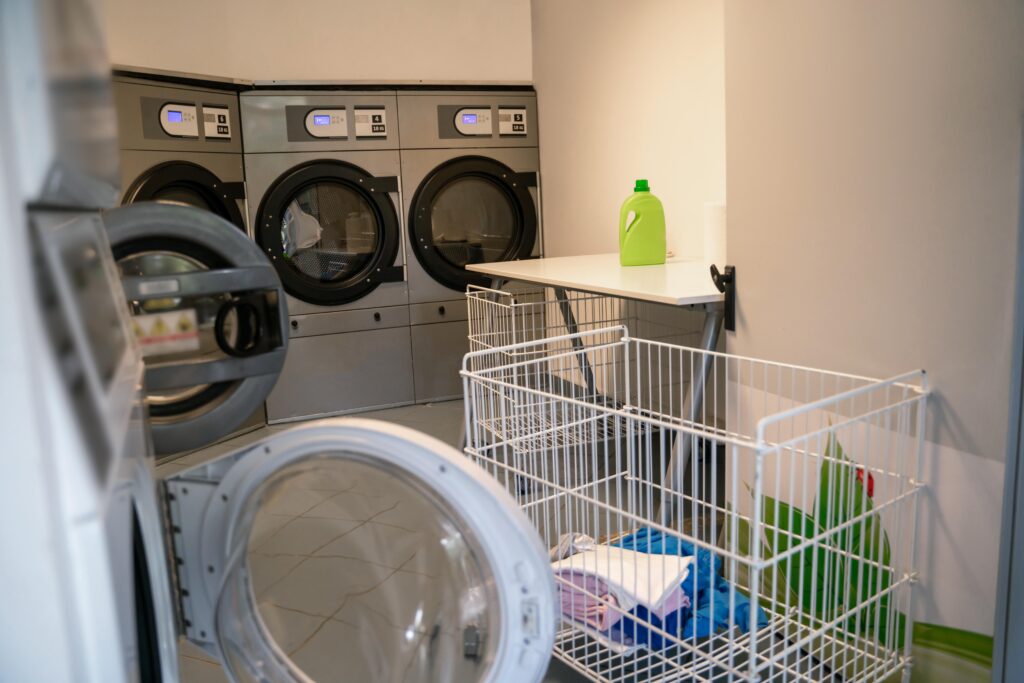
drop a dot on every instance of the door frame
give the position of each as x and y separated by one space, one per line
1008 646
514 186
221 195
376 191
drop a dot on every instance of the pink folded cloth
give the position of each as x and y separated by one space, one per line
586 598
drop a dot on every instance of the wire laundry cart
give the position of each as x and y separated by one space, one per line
767 536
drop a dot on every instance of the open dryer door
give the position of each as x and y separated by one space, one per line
357 550
210 313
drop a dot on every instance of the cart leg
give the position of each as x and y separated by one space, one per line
714 314
572 327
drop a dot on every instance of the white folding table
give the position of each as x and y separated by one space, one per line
677 282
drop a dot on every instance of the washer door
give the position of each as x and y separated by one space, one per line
209 313
358 550
472 210
182 182
331 231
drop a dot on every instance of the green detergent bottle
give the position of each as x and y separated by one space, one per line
642 240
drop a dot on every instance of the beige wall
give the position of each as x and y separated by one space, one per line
338 40
626 91
873 165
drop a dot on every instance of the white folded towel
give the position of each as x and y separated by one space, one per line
634 578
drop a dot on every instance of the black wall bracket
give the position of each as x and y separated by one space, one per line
726 284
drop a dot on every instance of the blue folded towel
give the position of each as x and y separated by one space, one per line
704 585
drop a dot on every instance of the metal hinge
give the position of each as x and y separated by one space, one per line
185 502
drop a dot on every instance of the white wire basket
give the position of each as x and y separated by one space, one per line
765 533
523 312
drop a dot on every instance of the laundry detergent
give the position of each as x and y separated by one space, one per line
641 228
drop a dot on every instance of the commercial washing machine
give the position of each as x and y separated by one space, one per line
180 142
470 168
322 169
336 550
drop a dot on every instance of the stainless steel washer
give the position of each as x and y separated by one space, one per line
470 166
322 171
180 142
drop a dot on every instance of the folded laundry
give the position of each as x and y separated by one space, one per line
602 585
586 598
716 604
632 593
634 578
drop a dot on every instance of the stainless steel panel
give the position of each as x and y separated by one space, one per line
265 121
420 128
336 322
149 73
439 312
437 352
132 129
339 373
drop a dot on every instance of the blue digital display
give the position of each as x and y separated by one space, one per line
469 118
321 119
174 116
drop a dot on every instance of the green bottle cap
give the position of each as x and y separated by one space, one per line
641 186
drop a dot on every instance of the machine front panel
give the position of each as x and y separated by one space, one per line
297 122
464 119
156 117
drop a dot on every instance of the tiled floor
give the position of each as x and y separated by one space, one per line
397 586
440 420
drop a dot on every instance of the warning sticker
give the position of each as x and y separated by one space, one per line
171 332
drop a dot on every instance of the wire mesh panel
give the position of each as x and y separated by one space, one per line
524 313
710 517
521 313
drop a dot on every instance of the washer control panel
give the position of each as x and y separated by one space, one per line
512 121
179 120
473 121
327 123
216 123
371 122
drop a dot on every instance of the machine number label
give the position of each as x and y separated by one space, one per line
512 121
371 123
216 123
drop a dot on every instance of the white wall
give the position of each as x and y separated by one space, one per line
428 40
626 91
873 171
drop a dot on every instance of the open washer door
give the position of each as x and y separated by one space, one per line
357 550
210 314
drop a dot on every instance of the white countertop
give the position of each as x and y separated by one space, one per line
677 282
